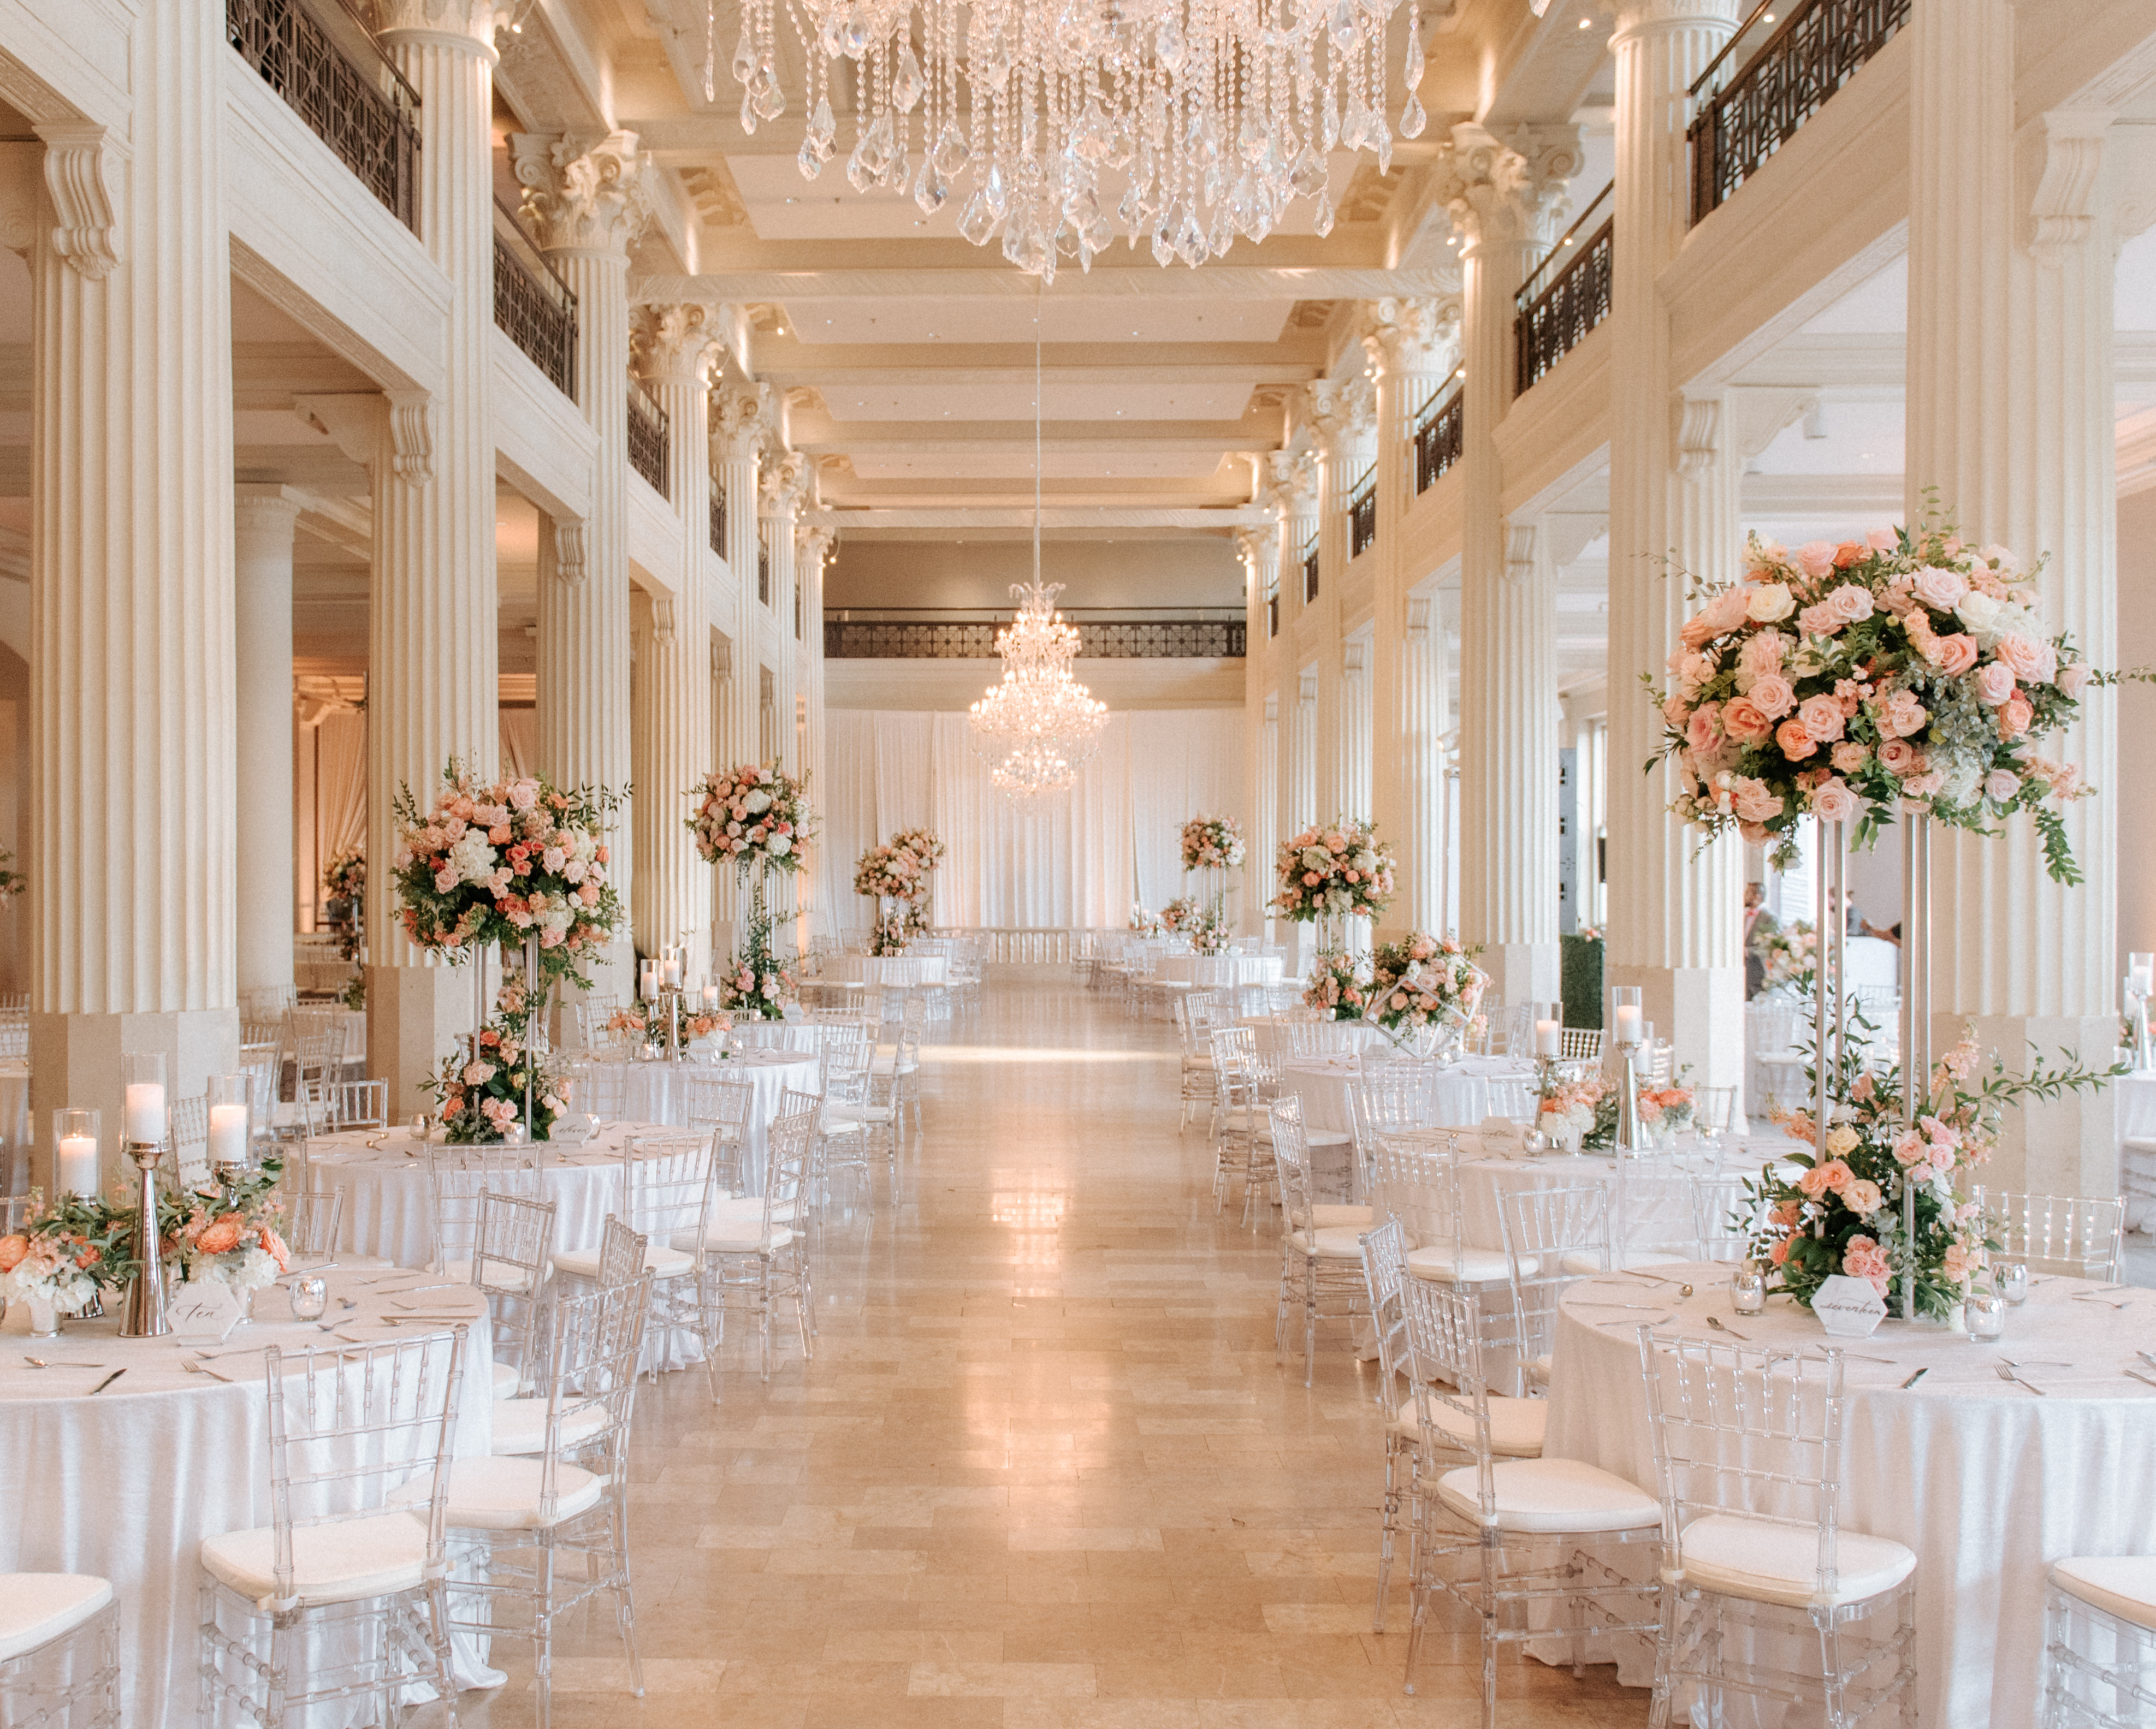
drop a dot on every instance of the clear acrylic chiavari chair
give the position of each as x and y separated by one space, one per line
457 1178
721 1106
2069 1234
1320 1265
511 1247
760 1261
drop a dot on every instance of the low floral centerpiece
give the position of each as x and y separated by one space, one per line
1334 872
1144 923
1339 984
1849 680
68 1251
1177 913
344 879
756 983
225 1228
1788 955
1422 982
1581 1112
480 1094
1210 932
503 860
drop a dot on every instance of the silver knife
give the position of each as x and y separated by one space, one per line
108 1381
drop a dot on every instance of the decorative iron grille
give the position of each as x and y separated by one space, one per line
1553 320
1437 440
763 572
532 306
975 639
1745 110
1310 570
1363 514
647 437
718 515
368 114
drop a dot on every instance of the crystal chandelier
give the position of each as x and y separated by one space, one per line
1195 121
1037 726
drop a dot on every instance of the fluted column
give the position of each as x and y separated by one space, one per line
132 747
739 414
1416 759
672 724
1676 918
264 518
782 485
1503 194
1265 834
1353 772
2010 419
812 549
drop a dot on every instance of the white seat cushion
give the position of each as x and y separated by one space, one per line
1582 1263
1769 1562
500 1276
370 1557
584 1263
1362 1218
503 1494
36 1608
840 1111
506 1378
1335 1242
520 1425
745 1236
1516 1425
2122 1585
1547 1495
1445 1262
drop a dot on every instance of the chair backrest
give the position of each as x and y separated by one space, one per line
621 1254
666 1186
2070 1235
601 1087
1726 1211
1445 1371
457 1177
1385 1273
311 1223
1653 1207
1746 1428
1580 1045
14 1034
1292 1156
789 1146
1553 1238
1320 1038
1713 1109
190 1137
511 1242
1510 1095
594 1341
1418 1182
1773 1024
1390 1099
359 1104
347 1426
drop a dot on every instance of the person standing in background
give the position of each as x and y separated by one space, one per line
1758 924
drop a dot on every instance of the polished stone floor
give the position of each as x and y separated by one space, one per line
1043 1471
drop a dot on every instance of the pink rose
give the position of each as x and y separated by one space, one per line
2015 715
1762 653
2001 784
1833 802
1795 741
1849 757
2073 678
1703 730
1673 710
1898 756
1753 803
1994 683
1773 695
1941 590
1902 716
1880 540
1819 619
2021 654
1821 718
1813 1181
1815 559
1851 604
1743 719
1862 1196
1837 1174
2067 782
1953 655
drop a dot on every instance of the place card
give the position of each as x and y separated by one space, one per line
1848 1308
203 1312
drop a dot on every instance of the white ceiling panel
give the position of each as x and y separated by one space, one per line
1182 319
1014 401
1108 465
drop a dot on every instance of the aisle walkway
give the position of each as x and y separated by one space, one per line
1043 1471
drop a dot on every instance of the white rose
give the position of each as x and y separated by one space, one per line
1769 602
780 843
758 803
1979 613
1316 858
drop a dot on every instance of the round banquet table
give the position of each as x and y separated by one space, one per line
1209 971
127 1483
1987 1482
891 970
1462 1090
656 1094
1484 1181
1361 1035
2136 1149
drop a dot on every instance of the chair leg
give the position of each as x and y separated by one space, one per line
1666 1648
542 1634
1388 1521
1489 1629
1309 1319
624 1592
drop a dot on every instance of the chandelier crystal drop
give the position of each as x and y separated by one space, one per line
1061 124
1037 725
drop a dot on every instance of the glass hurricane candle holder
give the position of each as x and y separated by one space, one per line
2012 1279
1984 1312
1748 1288
76 1136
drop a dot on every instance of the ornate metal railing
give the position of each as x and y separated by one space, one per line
1310 570
532 306
1770 78
647 436
975 639
364 109
1438 435
1363 513
718 515
1567 296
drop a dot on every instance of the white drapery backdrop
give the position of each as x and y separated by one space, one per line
1078 861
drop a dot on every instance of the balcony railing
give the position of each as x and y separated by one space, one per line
532 306
1567 296
1310 570
974 639
647 436
343 87
718 515
1770 78
1363 514
1439 433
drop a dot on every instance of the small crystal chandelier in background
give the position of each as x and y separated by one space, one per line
1208 116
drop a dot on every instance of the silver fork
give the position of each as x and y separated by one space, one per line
2007 1374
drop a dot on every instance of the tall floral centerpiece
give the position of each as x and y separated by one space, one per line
1214 846
755 818
344 881
1423 987
927 849
1329 874
1176 916
481 1095
890 876
518 862
1906 675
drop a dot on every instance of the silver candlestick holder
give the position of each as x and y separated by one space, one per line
2144 1049
670 1001
1628 1100
144 1314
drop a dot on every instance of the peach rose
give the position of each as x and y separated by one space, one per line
1753 803
1994 683
1898 756
2021 655
1813 1181
1851 604
1941 590
1862 1196
1795 741
2073 678
1815 558
2015 715
1703 730
1821 718
1772 695
1953 655
1849 757
1744 721
1832 802
13 1249
1779 1253
221 1236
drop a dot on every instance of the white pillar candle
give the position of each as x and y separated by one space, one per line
673 970
710 998
78 1165
228 1134
146 1110
1548 1040
2142 980
648 980
1628 1024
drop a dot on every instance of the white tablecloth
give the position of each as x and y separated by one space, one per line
1361 1035
893 971
1484 1181
1986 1481
656 1095
1463 1091
1217 972
127 1483
2136 1149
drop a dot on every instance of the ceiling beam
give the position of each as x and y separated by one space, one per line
1021 517
985 281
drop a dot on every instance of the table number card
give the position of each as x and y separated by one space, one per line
203 1312
1849 1308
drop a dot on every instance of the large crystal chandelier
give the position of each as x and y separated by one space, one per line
1193 121
1037 726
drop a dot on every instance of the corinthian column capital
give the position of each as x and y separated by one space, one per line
476 21
811 545
739 418
674 343
782 484
1500 186
1417 335
582 195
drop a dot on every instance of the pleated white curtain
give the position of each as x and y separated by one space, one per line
1079 860
340 783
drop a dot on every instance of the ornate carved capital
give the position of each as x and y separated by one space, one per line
582 195
1509 186
1292 480
569 566
1419 334
358 420
662 620
2069 181
474 21
412 436
782 485
1699 435
676 344
1261 550
1519 552
739 418
811 545
78 178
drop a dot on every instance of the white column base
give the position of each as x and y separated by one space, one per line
75 1061
414 1017
1521 972
1700 1010
2067 1148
